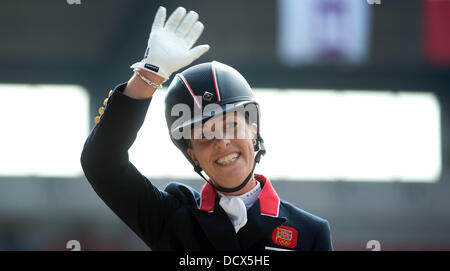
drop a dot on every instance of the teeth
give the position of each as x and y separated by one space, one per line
228 159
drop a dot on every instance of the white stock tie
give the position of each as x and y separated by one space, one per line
236 208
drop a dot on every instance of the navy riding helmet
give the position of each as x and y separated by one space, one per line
202 92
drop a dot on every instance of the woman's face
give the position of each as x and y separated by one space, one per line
224 149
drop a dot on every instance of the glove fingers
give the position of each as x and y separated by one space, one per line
160 17
187 23
175 19
197 51
194 34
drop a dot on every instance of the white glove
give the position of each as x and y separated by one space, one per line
169 45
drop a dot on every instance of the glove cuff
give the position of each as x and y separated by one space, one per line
151 68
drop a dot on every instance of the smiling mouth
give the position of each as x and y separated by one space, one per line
229 159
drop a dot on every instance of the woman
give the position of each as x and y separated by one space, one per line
213 118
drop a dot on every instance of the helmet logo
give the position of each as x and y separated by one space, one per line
207 96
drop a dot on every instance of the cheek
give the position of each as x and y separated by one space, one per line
246 146
201 153
251 149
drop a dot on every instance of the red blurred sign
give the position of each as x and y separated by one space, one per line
437 32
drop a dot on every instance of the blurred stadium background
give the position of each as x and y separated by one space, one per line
355 112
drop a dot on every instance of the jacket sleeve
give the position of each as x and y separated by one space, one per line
322 239
104 159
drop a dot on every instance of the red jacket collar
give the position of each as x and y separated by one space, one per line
269 202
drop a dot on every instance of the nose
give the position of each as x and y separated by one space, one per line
222 143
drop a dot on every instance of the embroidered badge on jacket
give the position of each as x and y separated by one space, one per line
285 236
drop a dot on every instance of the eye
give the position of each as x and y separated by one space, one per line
206 137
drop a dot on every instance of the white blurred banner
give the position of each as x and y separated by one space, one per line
320 135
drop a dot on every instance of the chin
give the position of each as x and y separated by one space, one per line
231 180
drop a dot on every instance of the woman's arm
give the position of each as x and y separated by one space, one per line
104 159
136 87
114 178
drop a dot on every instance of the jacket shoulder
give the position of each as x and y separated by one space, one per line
184 193
292 212
314 229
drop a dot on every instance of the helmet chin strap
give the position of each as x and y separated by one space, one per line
261 151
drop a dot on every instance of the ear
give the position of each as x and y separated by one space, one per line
254 129
192 155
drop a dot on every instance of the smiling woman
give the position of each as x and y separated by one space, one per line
226 154
231 98
236 209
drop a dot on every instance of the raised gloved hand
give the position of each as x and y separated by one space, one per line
169 45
